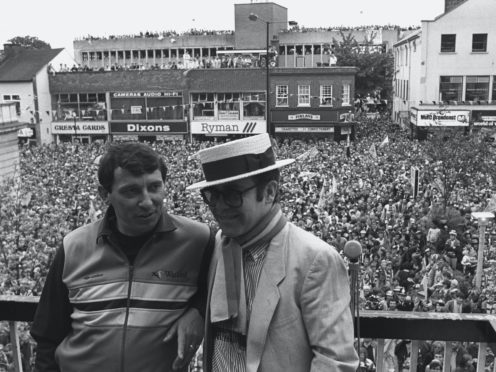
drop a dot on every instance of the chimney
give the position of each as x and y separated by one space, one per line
449 5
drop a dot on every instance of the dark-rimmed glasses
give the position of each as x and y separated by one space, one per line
232 197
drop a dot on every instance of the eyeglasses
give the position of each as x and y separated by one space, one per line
232 197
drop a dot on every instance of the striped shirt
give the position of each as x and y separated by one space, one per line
229 352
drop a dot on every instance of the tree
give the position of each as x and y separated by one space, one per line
30 42
375 68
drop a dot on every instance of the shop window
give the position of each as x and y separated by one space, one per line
448 43
479 43
493 98
477 88
282 95
450 88
326 95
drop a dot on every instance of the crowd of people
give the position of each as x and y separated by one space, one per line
415 258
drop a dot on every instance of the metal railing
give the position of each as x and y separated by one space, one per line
377 325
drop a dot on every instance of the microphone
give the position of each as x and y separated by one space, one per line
352 250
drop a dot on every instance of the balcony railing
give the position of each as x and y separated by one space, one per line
378 325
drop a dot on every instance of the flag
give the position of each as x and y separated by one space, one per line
310 154
491 206
26 199
384 142
334 187
438 184
373 151
322 196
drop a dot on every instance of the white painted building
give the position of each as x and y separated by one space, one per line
449 65
24 81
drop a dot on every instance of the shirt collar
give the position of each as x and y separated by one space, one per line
107 224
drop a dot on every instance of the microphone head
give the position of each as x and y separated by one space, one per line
352 250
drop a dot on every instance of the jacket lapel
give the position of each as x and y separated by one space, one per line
266 299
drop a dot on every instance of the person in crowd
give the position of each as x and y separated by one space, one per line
275 288
126 292
452 249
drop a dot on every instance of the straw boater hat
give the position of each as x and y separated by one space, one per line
238 159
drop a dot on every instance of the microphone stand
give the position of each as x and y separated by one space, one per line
354 267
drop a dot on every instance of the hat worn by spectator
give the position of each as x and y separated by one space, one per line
452 232
236 160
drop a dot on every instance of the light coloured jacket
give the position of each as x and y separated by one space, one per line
301 319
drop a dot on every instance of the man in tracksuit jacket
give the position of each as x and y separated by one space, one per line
126 293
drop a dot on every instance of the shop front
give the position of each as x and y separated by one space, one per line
424 122
483 121
82 132
27 135
336 124
149 131
202 129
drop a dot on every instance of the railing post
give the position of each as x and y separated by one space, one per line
379 360
481 357
447 356
16 347
414 355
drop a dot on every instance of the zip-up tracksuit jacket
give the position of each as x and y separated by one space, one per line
99 312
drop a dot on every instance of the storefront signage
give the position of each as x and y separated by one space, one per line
229 127
486 118
304 117
304 129
228 115
442 118
85 127
136 110
151 128
146 94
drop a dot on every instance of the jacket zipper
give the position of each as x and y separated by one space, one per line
128 305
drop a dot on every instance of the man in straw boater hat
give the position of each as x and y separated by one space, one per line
278 296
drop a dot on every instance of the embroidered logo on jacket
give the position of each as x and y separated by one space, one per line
170 275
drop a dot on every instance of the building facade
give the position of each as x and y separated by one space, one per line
455 74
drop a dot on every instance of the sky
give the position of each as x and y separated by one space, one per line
59 22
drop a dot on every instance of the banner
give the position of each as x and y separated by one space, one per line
384 142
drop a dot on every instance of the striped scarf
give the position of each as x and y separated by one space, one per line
228 299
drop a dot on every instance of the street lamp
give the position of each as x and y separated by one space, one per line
483 219
253 17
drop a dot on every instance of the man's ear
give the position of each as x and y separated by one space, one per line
104 194
271 190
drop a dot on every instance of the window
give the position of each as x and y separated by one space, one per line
254 105
494 89
326 95
477 88
203 105
479 43
448 43
303 95
450 88
6 97
13 98
345 97
282 95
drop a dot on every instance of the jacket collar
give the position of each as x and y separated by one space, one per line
108 224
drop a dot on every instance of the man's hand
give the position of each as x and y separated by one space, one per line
189 329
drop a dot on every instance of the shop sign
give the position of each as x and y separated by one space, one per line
146 94
304 129
229 127
304 117
84 127
228 115
442 118
136 109
484 118
150 128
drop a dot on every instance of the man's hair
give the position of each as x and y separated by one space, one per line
136 158
262 179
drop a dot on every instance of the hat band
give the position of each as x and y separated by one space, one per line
236 165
